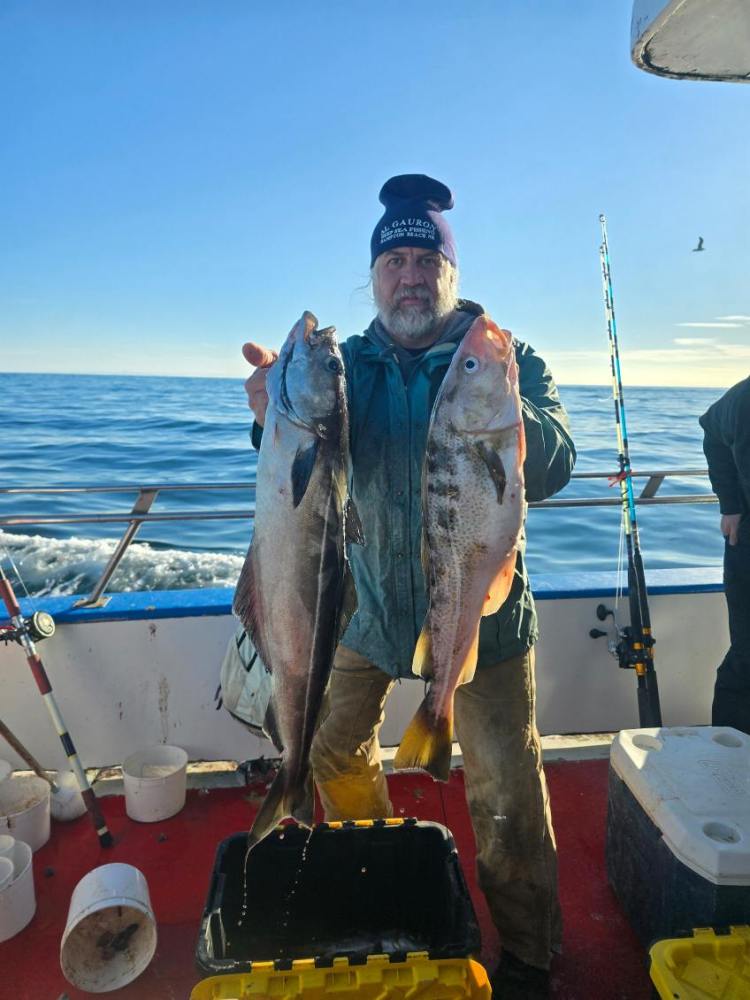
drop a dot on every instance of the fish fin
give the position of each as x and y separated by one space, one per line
469 666
427 744
273 810
495 467
423 664
302 468
352 525
348 601
282 801
245 605
498 590
303 809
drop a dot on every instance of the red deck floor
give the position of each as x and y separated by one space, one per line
602 960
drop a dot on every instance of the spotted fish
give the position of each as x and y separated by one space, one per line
472 512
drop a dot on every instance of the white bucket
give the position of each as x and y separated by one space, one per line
24 809
155 782
6 845
17 899
6 872
110 934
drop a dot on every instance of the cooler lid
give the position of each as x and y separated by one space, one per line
694 784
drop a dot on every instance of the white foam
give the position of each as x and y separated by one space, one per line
72 565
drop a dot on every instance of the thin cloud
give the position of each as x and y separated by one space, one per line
740 319
689 341
712 326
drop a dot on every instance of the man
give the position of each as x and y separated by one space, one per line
726 442
393 373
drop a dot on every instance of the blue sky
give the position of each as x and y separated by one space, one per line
180 177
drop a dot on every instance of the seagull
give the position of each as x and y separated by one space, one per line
700 245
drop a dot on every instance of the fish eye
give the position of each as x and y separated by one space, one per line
333 365
471 365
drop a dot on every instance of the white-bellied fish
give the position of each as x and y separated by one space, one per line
295 591
472 517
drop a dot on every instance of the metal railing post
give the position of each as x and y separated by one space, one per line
141 506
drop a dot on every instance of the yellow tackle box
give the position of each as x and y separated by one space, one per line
709 965
355 890
377 979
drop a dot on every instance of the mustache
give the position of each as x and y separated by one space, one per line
414 292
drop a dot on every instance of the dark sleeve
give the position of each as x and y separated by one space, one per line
550 452
726 444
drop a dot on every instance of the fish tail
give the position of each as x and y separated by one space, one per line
303 806
281 801
427 743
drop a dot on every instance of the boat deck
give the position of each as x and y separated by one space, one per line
602 959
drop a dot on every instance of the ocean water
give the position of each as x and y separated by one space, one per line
92 430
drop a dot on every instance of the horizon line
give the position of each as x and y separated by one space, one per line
242 378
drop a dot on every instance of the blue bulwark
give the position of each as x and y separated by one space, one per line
218 600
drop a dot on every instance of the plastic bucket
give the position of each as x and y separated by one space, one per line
17 899
24 809
6 845
155 781
110 934
6 872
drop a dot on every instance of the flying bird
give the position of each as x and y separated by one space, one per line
700 245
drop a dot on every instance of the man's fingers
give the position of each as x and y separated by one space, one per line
258 356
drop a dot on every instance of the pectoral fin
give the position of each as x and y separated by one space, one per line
494 466
302 468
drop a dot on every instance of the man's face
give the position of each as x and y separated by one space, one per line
414 290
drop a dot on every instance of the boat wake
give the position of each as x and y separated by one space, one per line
59 566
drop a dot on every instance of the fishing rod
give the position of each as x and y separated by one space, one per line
24 631
634 650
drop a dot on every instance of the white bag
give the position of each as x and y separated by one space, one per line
246 686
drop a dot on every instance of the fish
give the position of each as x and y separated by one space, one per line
295 592
473 510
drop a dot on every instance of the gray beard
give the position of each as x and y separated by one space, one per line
415 322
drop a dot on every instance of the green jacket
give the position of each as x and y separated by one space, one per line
389 416
726 443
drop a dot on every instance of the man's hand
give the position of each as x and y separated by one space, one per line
730 525
261 358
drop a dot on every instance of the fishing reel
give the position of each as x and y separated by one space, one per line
623 647
40 625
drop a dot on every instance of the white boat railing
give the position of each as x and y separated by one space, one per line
146 494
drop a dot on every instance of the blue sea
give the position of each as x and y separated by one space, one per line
92 430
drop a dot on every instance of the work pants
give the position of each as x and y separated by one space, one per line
505 786
731 705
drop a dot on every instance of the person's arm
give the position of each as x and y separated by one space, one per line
726 444
550 452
